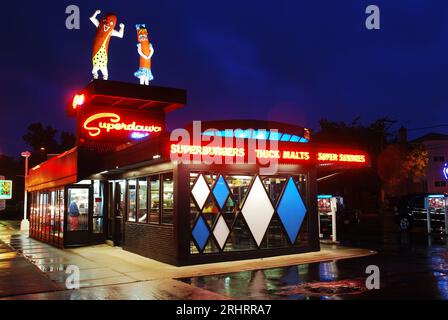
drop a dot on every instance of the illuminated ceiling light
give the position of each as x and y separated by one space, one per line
259 134
157 156
275 136
295 139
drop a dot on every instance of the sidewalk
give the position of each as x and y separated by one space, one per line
112 273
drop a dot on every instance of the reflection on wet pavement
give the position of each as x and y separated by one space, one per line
412 265
17 275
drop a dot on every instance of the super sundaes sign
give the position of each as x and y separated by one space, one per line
119 125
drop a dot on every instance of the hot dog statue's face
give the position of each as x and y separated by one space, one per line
142 35
107 24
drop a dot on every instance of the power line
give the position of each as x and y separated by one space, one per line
431 127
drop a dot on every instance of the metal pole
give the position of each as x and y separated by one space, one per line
428 220
334 226
25 201
25 224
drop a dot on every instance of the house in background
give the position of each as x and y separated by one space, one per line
435 179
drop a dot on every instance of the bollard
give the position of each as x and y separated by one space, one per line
333 226
445 211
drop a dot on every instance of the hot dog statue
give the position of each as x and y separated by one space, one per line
105 30
146 51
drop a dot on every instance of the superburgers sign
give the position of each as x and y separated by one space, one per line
119 125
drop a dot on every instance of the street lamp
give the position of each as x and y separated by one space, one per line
25 224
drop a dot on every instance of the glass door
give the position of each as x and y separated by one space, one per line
118 212
79 205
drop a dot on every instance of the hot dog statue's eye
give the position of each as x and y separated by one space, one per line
111 23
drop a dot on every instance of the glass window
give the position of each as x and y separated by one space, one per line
286 229
132 200
142 200
78 209
275 187
61 211
168 198
239 186
98 207
154 212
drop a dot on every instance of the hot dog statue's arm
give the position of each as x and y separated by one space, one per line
140 52
119 34
94 19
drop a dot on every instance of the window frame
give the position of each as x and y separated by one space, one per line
161 193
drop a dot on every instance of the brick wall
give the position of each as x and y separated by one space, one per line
152 241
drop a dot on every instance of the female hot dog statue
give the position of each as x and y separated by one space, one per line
145 50
105 30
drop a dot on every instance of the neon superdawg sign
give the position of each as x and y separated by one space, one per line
101 123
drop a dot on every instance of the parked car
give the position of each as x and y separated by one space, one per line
410 211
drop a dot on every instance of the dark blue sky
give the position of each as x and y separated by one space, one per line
293 61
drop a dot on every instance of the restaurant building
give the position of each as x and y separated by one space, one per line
214 191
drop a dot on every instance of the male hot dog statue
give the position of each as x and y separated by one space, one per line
105 30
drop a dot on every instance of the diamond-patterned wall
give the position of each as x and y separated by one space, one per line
257 209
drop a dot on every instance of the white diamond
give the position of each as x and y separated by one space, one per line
258 211
201 191
221 232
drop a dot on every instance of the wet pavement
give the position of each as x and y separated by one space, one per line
412 266
19 276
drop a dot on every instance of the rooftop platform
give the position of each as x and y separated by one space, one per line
102 93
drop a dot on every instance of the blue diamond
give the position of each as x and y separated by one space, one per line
201 233
221 191
291 210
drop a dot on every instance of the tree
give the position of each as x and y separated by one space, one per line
38 137
360 185
43 141
371 138
401 164
68 141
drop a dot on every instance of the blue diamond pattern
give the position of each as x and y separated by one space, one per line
291 210
201 233
221 192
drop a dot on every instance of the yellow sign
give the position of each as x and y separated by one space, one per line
5 189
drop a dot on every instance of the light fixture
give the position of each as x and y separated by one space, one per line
78 100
